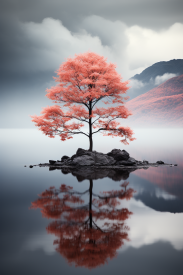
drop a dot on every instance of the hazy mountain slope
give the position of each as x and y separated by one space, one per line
153 76
161 106
174 66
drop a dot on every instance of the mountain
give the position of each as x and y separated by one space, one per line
174 66
159 107
154 75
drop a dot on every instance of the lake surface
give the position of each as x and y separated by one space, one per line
129 223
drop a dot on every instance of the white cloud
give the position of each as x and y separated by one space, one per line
136 84
147 226
53 43
41 241
162 194
162 78
131 48
147 46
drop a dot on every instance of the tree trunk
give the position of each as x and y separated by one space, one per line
90 127
90 203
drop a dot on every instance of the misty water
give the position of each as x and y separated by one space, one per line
141 234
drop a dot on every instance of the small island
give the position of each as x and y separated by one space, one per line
116 159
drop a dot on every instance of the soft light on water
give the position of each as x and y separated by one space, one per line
155 239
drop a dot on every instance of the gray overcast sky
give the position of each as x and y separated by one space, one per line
37 35
147 13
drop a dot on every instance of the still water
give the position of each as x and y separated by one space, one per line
136 222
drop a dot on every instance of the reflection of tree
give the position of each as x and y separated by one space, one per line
80 239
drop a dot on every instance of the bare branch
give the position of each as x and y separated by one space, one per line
101 129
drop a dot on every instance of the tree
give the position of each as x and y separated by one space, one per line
83 81
79 239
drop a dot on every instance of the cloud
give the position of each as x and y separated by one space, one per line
51 43
131 48
162 194
136 84
162 78
111 33
41 241
147 226
147 46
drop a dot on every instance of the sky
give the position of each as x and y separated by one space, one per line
38 35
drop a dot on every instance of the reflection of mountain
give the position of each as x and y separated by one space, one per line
161 106
160 204
87 233
165 179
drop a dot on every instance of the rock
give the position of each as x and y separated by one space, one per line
126 162
81 152
68 161
58 163
98 158
145 162
64 158
139 162
114 152
118 154
30 166
52 161
160 162
74 156
132 160
123 155
83 160
102 159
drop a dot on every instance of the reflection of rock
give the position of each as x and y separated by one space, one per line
89 173
52 161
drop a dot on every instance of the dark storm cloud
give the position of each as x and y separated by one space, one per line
147 13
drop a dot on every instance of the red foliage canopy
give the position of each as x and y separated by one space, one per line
82 82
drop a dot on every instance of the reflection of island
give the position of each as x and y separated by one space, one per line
88 233
92 173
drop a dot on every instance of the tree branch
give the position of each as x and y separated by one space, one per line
101 129
71 132
80 119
